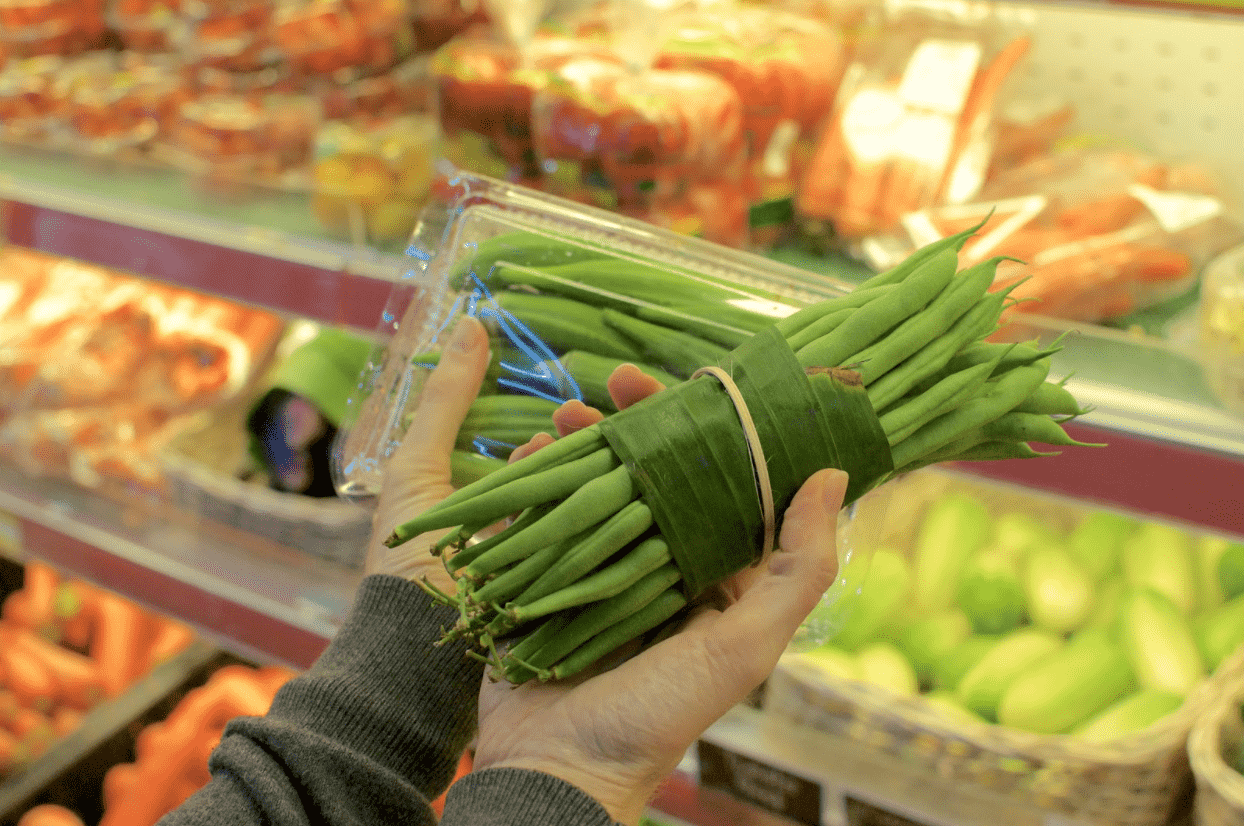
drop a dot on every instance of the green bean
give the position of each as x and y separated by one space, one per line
509 665
914 412
999 396
492 505
1031 427
573 446
594 502
799 320
598 616
466 555
823 326
1014 354
928 361
666 605
912 335
978 451
514 435
614 578
875 318
1051 399
673 350
902 270
616 533
506 584
510 405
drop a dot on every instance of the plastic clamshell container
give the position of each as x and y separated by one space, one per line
458 267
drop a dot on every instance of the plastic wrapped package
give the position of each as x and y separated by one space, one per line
145 25
649 133
403 90
34 28
1220 327
371 179
27 102
233 35
235 139
340 37
784 67
486 88
912 125
1096 234
115 113
99 368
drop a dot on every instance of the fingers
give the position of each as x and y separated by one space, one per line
739 647
447 395
535 443
628 384
575 415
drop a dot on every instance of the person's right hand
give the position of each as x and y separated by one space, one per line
617 734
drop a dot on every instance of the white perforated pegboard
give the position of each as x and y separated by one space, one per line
1171 81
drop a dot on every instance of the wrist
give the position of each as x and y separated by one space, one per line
624 800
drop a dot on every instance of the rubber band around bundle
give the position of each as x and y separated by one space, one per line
754 449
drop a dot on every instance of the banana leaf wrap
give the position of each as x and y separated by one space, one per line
686 450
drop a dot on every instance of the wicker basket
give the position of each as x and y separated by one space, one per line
201 474
1217 737
1140 780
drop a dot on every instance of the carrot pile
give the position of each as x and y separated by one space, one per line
66 646
171 755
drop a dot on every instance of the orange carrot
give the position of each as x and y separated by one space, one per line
170 639
118 644
150 741
28 678
8 705
1100 215
75 615
33 729
65 720
119 781
79 682
39 584
50 814
13 753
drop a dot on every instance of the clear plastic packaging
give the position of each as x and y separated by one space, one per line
372 179
35 28
232 35
145 25
648 132
555 283
405 89
1220 327
1096 234
348 38
913 123
27 100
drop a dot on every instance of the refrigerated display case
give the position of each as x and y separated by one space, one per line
1162 78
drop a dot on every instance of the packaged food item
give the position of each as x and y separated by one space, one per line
648 132
403 90
34 28
784 67
372 179
324 37
1095 234
487 87
229 35
233 138
27 100
1220 327
436 22
145 25
911 126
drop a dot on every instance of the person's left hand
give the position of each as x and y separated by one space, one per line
418 473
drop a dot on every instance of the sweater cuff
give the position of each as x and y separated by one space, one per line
384 688
519 797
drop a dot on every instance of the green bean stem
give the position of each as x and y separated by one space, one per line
614 578
593 502
526 517
664 607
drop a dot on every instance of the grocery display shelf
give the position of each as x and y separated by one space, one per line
259 600
258 245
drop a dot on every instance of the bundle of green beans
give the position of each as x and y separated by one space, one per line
620 524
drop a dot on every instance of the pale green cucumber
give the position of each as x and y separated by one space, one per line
1159 557
1220 632
828 662
1060 592
1097 541
883 596
1133 713
883 664
951 669
982 687
955 527
1088 674
991 592
1159 644
928 640
948 705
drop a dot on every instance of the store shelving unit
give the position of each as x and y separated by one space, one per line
1174 451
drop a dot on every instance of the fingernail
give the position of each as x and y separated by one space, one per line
463 339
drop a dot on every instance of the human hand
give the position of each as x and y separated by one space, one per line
616 734
418 473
